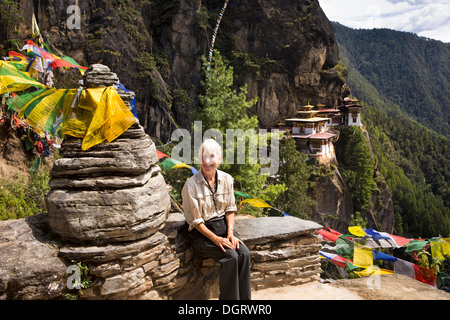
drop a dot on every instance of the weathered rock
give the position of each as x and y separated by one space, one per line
267 229
124 156
111 252
123 282
334 202
99 75
109 215
284 250
29 265
157 267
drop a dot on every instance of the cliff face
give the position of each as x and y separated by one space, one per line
285 51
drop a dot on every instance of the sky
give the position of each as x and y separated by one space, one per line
426 18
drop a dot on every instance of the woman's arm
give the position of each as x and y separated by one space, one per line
230 235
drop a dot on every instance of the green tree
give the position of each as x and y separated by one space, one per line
358 167
298 175
357 220
222 108
10 16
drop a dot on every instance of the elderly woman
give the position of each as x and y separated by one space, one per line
209 208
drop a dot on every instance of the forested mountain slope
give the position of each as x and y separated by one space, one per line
413 159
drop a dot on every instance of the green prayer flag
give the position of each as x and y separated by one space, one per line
414 245
241 194
169 163
350 266
344 247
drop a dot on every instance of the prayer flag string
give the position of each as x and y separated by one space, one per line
216 28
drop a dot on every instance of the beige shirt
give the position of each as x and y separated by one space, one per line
198 204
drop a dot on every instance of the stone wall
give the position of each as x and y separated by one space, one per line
162 266
34 262
284 250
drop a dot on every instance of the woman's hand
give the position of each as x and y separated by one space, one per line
234 241
223 243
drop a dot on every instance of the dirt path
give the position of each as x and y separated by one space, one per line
387 287
309 291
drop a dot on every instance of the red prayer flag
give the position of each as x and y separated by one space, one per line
16 54
64 63
400 240
161 155
425 275
334 231
328 235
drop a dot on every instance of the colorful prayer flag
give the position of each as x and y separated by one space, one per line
12 79
362 256
169 163
425 275
415 245
336 259
440 248
382 256
255 202
328 235
241 194
404 267
334 231
181 165
376 235
357 231
400 241
373 271
161 155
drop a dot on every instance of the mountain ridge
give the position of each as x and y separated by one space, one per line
411 70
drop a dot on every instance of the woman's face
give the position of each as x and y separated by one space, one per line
210 162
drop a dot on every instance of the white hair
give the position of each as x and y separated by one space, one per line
210 146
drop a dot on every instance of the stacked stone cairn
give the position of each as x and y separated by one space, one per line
109 205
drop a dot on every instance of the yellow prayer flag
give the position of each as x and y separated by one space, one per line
256 202
41 113
362 256
34 27
14 80
440 249
99 115
373 271
181 165
357 231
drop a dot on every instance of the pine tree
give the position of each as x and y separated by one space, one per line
359 168
298 175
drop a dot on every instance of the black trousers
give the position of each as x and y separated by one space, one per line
234 273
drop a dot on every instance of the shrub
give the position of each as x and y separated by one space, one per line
21 196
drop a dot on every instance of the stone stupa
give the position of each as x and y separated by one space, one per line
112 192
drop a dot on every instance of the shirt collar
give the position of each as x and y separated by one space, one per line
201 179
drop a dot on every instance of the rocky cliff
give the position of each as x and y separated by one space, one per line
286 53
